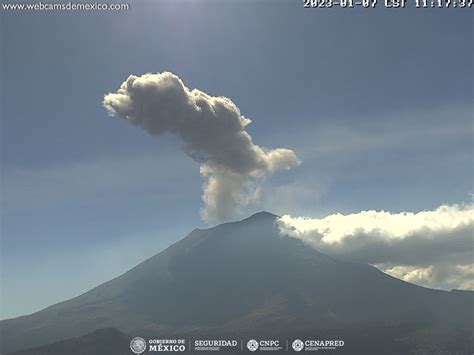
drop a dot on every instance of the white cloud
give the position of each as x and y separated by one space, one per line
432 248
213 132
441 275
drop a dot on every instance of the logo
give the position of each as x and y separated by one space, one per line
297 345
322 344
252 345
216 345
138 345
168 345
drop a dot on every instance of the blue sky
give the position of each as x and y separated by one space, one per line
376 103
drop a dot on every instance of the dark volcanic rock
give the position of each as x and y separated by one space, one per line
244 278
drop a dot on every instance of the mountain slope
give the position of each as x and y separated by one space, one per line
107 341
241 278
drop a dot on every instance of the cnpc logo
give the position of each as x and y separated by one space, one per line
265 345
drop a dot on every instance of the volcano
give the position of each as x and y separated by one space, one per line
244 279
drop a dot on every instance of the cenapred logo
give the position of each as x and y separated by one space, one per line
297 345
252 345
138 345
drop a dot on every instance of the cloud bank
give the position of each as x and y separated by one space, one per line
212 130
431 248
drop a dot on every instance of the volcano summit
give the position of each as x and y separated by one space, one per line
246 280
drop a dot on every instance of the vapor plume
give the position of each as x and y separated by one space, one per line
212 130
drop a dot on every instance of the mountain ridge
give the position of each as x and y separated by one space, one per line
237 278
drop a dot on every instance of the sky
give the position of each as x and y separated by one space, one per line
376 104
